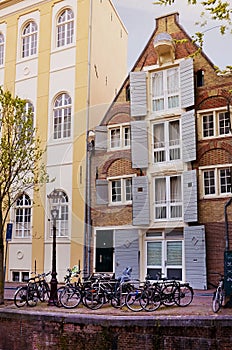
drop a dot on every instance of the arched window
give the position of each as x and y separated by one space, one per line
62 116
29 120
29 39
23 217
60 203
2 47
65 28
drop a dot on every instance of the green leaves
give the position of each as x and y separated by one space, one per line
21 153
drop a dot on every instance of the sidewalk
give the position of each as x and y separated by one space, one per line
200 306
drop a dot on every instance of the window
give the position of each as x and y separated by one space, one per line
23 217
121 190
224 123
62 117
2 45
209 182
62 220
166 141
165 256
20 276
128 93
65 28
208 125
120 137
168 197
165 89
216 124
29 40
28 120
200 78
217 181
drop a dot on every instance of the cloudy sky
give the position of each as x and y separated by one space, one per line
139 19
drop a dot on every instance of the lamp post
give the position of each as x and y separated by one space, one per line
54 199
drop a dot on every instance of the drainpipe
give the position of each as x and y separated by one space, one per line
87 227
226 224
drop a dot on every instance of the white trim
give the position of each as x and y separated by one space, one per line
216 169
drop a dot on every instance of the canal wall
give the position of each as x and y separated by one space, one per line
36 330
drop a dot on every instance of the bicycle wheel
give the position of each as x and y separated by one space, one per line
44 292
118 299
150 300
133 300
93 299
168 295
20 296
57 301
217 300
184 295
32 297
70 297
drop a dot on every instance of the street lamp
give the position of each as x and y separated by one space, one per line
55 200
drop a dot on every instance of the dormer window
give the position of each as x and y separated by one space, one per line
165 48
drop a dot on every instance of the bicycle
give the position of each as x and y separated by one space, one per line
37 289
73 293
165 292
218 296
107 289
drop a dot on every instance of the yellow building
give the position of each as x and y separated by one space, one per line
67 58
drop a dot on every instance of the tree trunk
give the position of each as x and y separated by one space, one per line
1 270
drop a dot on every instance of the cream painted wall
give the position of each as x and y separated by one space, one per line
39 79
108 65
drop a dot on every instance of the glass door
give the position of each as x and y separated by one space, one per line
165 257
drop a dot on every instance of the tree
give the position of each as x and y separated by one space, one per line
21 166
218 10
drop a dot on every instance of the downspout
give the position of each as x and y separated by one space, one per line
227 246
87 229
226 224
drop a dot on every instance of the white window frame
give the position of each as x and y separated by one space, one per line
23 227
122 179
216 123
160 237
217 180
123 142
165 93
166 148
65 28
166 203
29 39
62 122
2 49
62 223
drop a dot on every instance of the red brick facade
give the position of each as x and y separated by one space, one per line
215 93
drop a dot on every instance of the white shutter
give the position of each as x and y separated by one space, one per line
138 94
139 144
187 83
140 200
195 256
101 192
188 136
101 138
190 196
127 251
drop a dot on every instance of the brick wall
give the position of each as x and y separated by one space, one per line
39 331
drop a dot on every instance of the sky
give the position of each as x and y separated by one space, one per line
139 17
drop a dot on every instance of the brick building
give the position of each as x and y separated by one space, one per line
160 168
